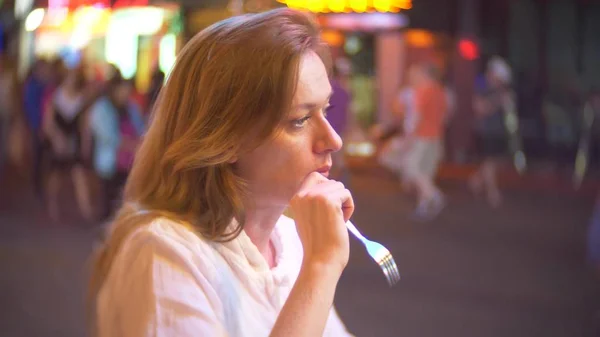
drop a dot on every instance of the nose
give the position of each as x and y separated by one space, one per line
327 139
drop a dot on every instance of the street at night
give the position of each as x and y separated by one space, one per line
517 271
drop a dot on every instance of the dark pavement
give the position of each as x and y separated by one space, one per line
518 271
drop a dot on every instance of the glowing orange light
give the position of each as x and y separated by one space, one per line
347 6
402 4
333 38
419 38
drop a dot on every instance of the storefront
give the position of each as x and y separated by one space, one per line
375 37
132 35
369 34
66 33
373 44
142 39
198 19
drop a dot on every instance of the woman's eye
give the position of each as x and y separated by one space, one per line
298 123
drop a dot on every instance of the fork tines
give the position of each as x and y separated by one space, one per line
388 265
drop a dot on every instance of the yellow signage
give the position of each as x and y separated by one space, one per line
349 6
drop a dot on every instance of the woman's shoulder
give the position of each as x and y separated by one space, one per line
161 250
168 233
161 264
169 242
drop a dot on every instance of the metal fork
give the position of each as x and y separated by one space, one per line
380 254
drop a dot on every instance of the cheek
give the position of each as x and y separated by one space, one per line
276 171
284 161
288 163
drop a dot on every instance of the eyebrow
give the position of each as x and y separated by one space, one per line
310 106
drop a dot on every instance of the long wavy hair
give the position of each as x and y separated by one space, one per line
231 86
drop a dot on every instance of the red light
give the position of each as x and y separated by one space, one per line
468 49
130 3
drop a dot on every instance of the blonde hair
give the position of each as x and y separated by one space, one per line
231 86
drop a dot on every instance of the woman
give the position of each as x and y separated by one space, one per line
116 125
339 112
8 91
395 142
593 238
62 128
489 105
156 82
200 246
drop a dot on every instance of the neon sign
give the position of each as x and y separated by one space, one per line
349 6
74 4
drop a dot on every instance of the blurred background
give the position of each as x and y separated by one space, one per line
511 245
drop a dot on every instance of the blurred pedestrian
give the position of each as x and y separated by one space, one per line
63 131
593 239
593 252
492 97
156 83
400 130
8 91
34 94
116 125
338 112
425 142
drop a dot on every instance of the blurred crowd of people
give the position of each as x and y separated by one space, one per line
84 123
411 144
81 123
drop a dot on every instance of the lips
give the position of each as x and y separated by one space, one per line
324 170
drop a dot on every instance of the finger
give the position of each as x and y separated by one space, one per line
329 186
344 198
311 180
348 206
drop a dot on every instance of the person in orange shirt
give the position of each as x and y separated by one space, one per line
426 141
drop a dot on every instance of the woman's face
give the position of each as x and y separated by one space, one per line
303 143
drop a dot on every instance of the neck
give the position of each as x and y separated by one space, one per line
259 225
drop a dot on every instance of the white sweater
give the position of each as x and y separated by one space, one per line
167 281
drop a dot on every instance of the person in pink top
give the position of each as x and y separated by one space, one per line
200 245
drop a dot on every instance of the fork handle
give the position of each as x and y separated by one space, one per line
355 231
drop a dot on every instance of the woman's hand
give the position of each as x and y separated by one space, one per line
321 208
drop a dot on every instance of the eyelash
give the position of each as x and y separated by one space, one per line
299 123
